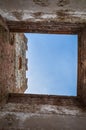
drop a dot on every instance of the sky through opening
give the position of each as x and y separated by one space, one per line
52 64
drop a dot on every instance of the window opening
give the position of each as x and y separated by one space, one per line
52 66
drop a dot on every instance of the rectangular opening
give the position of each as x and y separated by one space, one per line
52 64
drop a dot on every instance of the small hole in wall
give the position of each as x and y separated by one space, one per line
11 75
20 63
12 40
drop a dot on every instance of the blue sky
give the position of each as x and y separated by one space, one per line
52 64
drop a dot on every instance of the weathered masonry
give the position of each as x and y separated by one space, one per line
19 111
19 43
13 62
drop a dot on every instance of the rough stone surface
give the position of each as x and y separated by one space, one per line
30 121
82 66
51 27
44 99
35 114
12 46
44 10
19 43
6 66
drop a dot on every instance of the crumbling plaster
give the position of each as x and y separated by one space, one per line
37 112
43 10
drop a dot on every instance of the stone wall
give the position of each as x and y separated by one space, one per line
6 61
12 61
82 66
19 41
